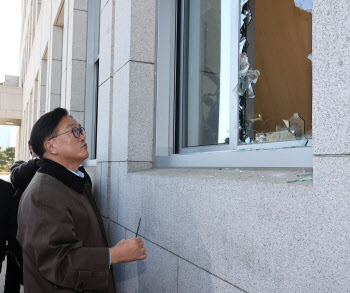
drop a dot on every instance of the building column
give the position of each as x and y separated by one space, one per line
331 143
74 58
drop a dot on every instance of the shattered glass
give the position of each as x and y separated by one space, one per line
308 134
258 127
302 177
243 2
297 125
263 129
247 77
242 44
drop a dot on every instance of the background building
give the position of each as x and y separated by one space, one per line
164 92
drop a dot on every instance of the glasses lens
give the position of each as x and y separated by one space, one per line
76 132
82 131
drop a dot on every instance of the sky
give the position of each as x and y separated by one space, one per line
10 29
11 138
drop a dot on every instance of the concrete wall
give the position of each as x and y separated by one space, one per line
222 230
210 230
10 104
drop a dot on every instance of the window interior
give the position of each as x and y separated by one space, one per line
275 70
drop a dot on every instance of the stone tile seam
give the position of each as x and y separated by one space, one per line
180 257
79 10
151 63
125 161
177 276
108 207
332 155
73 59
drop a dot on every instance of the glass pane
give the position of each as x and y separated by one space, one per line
275 70
201 75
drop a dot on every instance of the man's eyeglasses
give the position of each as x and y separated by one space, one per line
75 130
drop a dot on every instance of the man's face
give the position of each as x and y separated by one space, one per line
68 147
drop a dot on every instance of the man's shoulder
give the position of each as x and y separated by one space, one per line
16 164
5 184
44 183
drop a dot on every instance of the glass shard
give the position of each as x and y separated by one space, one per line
297 125
243 2
308 134
247 77
262 129
302 177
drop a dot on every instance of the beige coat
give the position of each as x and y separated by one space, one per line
61 232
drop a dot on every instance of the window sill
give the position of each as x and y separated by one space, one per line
89 163
291 157
241 175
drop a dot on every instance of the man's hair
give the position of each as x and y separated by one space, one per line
29 143
45 127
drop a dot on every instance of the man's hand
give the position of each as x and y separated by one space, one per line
128 250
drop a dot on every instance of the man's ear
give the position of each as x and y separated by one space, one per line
50 147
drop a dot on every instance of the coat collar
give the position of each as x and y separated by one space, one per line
62 174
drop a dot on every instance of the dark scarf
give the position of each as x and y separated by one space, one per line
62 174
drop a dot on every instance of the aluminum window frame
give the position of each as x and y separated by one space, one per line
92 69
276 154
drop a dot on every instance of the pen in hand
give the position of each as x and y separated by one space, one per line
138 227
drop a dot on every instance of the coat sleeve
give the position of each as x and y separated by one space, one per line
47 235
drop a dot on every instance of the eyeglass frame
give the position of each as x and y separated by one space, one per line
80 129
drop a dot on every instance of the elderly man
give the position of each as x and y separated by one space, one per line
60 228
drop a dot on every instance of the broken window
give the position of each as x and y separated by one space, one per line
274 80
274 88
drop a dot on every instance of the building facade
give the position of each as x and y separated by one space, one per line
199 119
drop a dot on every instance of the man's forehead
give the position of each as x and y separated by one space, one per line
67 122
75 124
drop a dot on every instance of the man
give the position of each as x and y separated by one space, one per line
59 226
7 220
21 174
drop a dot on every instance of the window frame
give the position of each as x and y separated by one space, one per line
274 154
92 69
